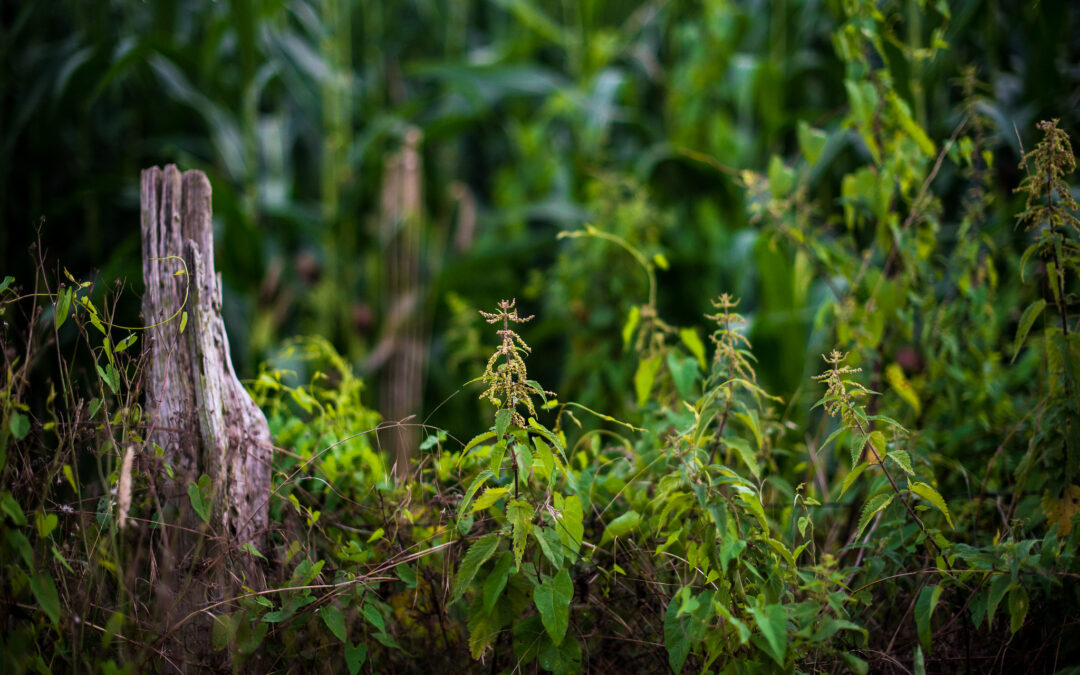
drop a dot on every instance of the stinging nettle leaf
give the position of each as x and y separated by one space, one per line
875 504
931 495
1033 311
477 555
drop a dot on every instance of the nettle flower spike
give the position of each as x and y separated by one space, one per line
508 382
841 400
729 342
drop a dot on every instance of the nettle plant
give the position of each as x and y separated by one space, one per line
532 527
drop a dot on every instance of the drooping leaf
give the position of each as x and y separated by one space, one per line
1033 311
745 454
520 514
335 621
1018 607
924 610
570 526
625 523
552 600
12 509
496 580
477 555
47 598
870 509
502 421
772 622
931 495
644 378
355 655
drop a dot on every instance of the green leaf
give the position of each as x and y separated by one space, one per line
811 142
477 555
45 523
19 424
746 454
924 610
335 621
1026 320
772 622
498 451
676 635
126 342
20 543
871 508
998 587
552 599
355 655
371 613
625 523
857 665
6 282
550 544
12 509
484 627
502 421
109 376
1018 607
571 527
644 378
490 496
473 487
249 548
903 460
781 177
918 664
183 322
690 338
47 598
852 476
63 308
520 514
496 580
546 458
931 495
630 326
477 440
200 496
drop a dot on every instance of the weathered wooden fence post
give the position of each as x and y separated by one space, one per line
199 413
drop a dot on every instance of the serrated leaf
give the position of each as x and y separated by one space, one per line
477 555
903 460
875 504
552 600
477 482
47 598
1033 311
498 451
496 580
477 440
490 496
931 495
851 477
502 421
335 621
772 622
520 514
484 627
